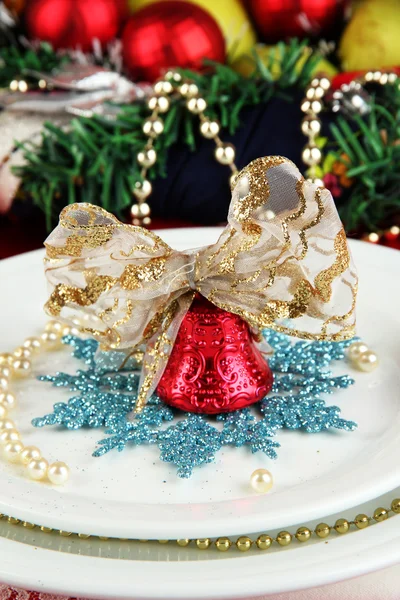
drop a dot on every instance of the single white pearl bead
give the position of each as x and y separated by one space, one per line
6 371
50 340
70 331
4 383
22 352
9 435
37 468
261 481
32 344
6 359
3 412
8 400
6 424
355 350
22 367
54 327
12 450
58 473
368 361
30 453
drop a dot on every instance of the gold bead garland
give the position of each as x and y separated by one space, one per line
18 364
153 127
172 83
21 85
311 123
244 543
312 105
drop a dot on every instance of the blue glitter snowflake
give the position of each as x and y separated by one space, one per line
103 396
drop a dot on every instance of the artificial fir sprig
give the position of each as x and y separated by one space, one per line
95 159
369 148
18 61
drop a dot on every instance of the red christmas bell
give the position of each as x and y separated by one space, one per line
215 365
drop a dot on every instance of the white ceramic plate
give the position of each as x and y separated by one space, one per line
133 494
150 571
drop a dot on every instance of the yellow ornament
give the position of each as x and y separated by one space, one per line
231 17
272 55
371 40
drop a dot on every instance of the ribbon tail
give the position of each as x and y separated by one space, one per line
158 350
261 343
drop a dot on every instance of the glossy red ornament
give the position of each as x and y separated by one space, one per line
215 365
72 23
280 19
170 34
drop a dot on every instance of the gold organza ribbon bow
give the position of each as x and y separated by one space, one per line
282 262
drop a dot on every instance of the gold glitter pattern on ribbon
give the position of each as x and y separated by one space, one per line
104 314
134 275
76 243
258 186
222 247
126 318
313 223
296 215
156 352
87 296
323 281
253 234
346 316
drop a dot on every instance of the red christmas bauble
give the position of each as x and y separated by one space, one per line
72 23
170 34
280 19
215 365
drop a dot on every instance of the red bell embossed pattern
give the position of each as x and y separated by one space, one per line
215 365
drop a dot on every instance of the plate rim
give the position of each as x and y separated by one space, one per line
258 575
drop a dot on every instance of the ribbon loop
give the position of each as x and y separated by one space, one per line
282 262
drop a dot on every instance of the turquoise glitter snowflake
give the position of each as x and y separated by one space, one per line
103 397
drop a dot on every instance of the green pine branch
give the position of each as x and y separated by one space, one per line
95 159
17 61
372 148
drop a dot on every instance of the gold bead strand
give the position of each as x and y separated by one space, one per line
378 77
158 104
312 105
225 152
245 543
154 126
